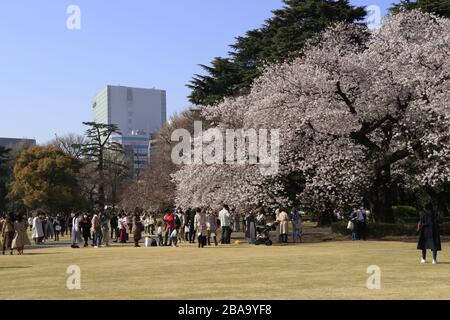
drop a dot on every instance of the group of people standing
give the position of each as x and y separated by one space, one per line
358 224
45 227
200 225
14 233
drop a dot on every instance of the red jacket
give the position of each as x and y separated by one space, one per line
169 220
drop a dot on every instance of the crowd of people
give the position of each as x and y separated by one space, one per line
200 225
203 226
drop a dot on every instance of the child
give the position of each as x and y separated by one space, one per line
174 238
160 236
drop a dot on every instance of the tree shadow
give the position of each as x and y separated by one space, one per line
41 253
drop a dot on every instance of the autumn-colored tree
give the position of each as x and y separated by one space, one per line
45 177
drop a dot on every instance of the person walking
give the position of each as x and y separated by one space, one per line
225 223
123 228
30 223
49 231
296 220
160 234
37 229
190 217
85 227
169 224
200 226
430 238
7 234
138 227
75 231
114 227
180 226
174 238
57 226
96 231
104 226
250 227
70 223
211 227
361 221
152 224
283 220
21 237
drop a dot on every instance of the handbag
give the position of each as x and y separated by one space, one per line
350 225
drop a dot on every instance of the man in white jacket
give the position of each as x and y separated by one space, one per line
225 223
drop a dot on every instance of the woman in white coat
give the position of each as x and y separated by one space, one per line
200 226
283 221
37 230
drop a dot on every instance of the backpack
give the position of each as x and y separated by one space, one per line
153 243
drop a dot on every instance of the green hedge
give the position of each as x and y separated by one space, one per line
380 230
406 214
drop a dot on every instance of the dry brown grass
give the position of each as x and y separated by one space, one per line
333 270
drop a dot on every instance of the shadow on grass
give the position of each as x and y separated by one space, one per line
41 253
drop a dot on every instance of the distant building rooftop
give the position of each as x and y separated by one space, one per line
11 142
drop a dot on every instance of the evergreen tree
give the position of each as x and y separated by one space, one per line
440 7
281 37
96 150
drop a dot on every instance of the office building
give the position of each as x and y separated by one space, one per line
138 113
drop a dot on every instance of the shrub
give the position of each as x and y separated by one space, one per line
406 214
381 230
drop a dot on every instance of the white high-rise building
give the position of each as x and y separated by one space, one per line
139 113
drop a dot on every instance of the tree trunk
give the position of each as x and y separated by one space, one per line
381 197
325 219
101 183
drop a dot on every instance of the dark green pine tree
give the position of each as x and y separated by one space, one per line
281 37
96 149
440 7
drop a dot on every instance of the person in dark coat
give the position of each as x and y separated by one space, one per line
430 238
114 227
85 226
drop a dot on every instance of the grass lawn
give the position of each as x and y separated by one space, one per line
331 270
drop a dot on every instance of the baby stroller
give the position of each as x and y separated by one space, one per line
263 234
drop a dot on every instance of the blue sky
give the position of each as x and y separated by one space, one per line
49 74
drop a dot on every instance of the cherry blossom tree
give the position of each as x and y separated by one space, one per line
357 111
